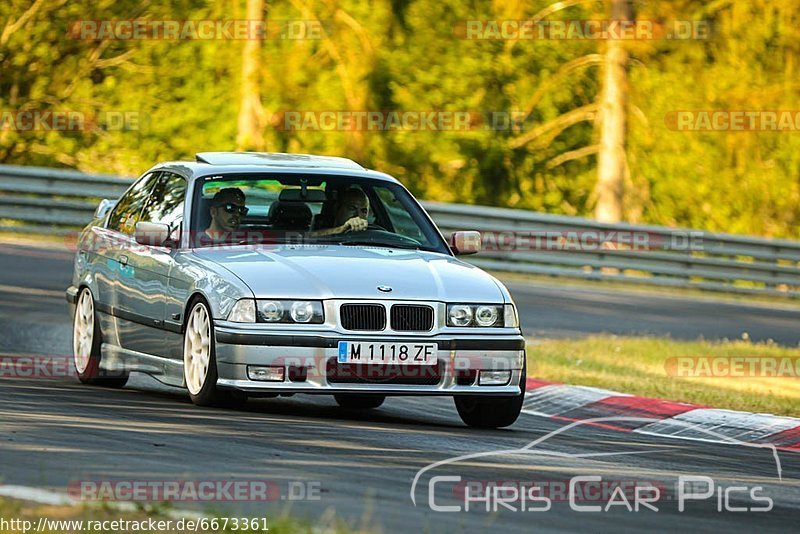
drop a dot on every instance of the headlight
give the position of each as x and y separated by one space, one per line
244 311
481 315
486 315
290 311
303 312
270 311
459 315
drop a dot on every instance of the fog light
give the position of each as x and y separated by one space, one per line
494 378
265 374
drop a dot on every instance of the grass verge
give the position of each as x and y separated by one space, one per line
667 369
42 240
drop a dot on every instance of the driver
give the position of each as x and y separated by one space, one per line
351 214
227 209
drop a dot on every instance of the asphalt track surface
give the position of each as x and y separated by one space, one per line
54 432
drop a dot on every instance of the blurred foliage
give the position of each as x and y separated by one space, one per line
405 55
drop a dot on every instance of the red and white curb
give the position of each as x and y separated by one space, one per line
643 415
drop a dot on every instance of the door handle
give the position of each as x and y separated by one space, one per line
123 260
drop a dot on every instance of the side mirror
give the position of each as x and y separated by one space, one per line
463 243
103 208
151 234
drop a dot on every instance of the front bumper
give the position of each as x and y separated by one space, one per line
310 362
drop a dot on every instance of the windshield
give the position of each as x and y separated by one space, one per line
315 209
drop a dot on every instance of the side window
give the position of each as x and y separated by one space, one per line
166 201
128 209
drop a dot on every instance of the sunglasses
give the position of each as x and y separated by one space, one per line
232 208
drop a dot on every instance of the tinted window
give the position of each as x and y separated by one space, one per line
128 209
166 201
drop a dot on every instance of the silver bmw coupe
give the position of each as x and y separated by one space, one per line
253 274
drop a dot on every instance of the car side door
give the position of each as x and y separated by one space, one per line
107 248
147 268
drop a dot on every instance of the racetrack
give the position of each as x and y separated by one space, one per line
56 431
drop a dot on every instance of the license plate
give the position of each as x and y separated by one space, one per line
393 353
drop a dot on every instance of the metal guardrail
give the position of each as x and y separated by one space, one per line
53 201
44 200
668 256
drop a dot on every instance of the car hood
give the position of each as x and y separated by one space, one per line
345 272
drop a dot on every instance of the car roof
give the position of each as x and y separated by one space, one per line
276 159
215 163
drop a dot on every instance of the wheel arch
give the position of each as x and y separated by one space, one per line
190 302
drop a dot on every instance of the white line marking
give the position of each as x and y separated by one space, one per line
19 290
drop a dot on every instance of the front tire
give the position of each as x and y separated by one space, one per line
199 358
359 402
482 412
86 342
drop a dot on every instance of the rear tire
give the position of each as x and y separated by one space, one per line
86 342
491 412
359 402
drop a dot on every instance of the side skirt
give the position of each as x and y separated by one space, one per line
115 358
